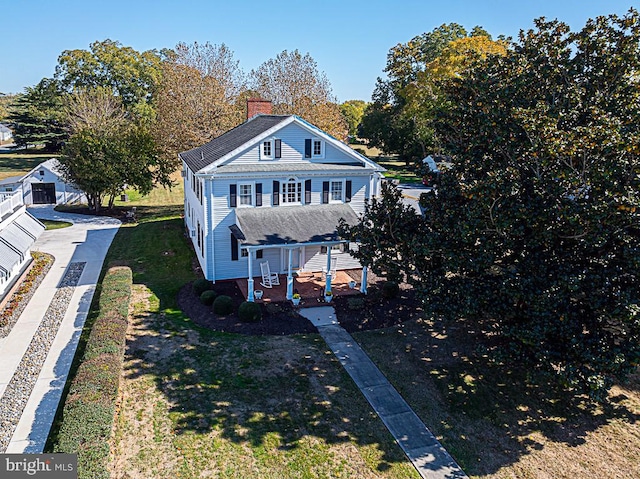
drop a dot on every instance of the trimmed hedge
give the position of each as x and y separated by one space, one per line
208 297
90 405
200 286
223 305
249 312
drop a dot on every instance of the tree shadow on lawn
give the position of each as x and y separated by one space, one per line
489 415
250 389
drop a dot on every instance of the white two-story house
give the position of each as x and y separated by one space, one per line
273 190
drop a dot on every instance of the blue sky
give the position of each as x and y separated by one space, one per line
349 39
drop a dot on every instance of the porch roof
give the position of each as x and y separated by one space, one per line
290 224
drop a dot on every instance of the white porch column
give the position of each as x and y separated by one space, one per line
363 283
327 287
250 296
290 275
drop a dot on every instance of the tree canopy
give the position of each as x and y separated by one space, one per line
37 116
108 150
353 111
295 86
535 231
399 119
129 74
197 97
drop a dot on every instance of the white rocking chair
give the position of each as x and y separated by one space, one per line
334 265
268 278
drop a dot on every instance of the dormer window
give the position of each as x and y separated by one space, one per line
317 148
266 152
313 148
270 149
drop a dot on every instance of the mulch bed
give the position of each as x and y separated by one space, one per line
355 313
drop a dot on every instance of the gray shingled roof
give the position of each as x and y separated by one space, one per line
291 224
203 156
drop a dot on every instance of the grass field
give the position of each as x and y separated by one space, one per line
16 164
396 169
195 403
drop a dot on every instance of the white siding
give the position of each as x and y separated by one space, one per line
218 241
194 217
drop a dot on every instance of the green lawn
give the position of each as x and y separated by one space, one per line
196 403
398 170
492 420
55 225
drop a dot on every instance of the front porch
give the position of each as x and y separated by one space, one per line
310 287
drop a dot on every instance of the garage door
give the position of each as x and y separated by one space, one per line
43 193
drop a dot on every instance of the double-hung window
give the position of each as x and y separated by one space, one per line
336 191
317 148
291 191
245 194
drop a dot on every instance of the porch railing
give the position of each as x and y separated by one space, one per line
10 201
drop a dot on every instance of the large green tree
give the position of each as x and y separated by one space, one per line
37 116
131 75
536 230
353 111
398 120
109 150
295 86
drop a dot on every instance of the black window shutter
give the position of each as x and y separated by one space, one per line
278 148
259 254
234 248
258 194
325 192
233 191
276 193
307 148
347 193
307 192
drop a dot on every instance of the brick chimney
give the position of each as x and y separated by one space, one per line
257 106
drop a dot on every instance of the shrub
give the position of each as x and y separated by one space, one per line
249 312
355 304
390 289
90 404
200 286
223 305
208 297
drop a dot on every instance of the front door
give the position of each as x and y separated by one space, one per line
295 259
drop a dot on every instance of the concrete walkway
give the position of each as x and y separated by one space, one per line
88 241
428 456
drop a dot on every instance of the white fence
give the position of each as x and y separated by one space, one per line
10 201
